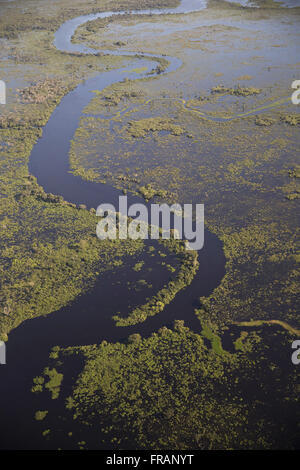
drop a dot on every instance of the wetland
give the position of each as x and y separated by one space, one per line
131 344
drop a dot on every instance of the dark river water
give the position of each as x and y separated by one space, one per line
88 319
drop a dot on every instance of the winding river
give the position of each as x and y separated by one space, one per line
88 319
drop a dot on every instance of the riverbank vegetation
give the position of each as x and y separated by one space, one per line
15 22
187 270
242 184
42 269
237 91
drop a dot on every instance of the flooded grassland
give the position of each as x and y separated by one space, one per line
220 130
49 250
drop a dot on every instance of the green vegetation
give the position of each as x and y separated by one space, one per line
38 383
15 22
49 90
43 270
187 270
239 343
148 192
176 389
295 172
171 391
264 121
40 415
239 181
237 91
138 266
216 342
140 128
283 324
53 384
291 119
